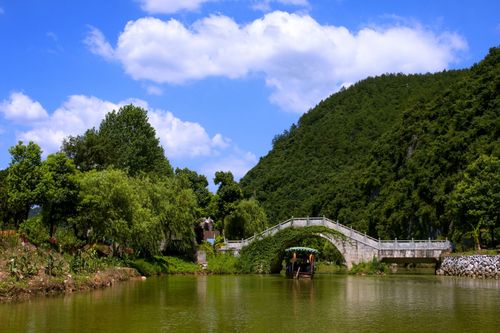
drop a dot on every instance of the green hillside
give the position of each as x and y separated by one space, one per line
386 154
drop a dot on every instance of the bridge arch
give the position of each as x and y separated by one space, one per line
353 245
265 255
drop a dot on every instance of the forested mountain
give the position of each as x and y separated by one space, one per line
386 155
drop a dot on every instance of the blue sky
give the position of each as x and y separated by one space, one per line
220 78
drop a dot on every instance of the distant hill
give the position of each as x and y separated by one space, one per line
384 154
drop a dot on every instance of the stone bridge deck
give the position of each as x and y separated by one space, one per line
357 247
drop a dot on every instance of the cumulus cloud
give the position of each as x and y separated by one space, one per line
301 60
180 139
237 161
170 6
22 109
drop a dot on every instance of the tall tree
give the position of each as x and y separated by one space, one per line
23 177
125 140
57 190
246 219
87 151
228 193
131 142
5 210
477 198
199 184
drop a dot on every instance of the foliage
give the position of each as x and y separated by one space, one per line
266 255
125 140
85 261
199 184
385 155
246 219
54 265
34 230
8 239
22 179
57 190
327 267
173 208
6 211
369 268
223 264
477 198
146 268
106 208
24 265
208 248
179 266
228 193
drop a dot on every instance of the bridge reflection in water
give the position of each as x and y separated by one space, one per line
355 246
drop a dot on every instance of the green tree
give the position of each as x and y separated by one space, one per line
5 210
477 198
245 220
199 184
131 142
228 193
22 179
57 190
106 208
125 140
87 151
173 207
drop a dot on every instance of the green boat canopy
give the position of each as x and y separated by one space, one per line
301 249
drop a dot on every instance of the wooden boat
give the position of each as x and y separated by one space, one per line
300 262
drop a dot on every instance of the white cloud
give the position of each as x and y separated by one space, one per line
301 60
154 90
265 5
238 162
180 139
21 109
170 6
97 44
183 138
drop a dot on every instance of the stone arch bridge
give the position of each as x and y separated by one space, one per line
357 247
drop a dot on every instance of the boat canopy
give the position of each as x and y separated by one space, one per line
301 249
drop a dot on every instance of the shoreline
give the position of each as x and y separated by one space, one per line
20 291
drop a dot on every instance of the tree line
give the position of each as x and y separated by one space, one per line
114 185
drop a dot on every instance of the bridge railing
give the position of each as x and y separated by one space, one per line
345 230
414 244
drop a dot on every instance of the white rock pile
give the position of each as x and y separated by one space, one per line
477 266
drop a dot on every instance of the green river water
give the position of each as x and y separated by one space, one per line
329 303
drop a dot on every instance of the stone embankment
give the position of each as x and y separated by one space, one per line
477 266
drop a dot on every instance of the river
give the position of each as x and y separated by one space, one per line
269 303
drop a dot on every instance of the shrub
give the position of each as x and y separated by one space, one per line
369 268
67 240
54 266
24 265
8 239
179 266
34 230
145 268
86 261
208 248
223 264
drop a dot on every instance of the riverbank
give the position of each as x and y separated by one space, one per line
27 270
43 285
475 266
